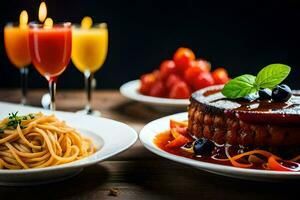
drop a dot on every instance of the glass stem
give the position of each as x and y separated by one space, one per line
52 91
24 74
88 77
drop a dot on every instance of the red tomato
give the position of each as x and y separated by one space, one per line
203 80
279 165
220 76
158 90
172 80
182 57
180 91
147 81
203 64
195 68
167 68
191 73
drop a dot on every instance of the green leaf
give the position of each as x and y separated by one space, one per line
239 87
272 75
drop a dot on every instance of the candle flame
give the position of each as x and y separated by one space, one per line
23 19
42 11
48 23
86 22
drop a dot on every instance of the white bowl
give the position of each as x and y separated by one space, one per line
149 132
130 90
110 138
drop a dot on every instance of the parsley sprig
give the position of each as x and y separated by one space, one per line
14 120
246 84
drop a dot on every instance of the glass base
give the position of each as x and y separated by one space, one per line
94 113
46 101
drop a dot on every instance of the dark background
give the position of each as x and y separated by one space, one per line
242 36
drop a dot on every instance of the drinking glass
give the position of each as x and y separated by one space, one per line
89 50
17 50
50 51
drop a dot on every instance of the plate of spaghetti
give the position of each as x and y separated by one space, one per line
170 138
37 146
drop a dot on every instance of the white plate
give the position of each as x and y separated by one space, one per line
149 132
130 90
110 138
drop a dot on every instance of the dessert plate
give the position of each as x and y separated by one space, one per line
110 138
155 127
130 90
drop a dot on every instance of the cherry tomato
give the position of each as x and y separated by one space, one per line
167 68
220 76
203 80
172 80
147 81
180 91
203 64
158 90
182 57
191 73
281 165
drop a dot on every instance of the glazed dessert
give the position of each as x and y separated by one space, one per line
250 122
253 124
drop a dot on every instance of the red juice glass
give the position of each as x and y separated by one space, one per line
50 51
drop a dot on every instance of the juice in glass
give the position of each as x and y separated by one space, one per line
17 50
50 51
16 45
89 50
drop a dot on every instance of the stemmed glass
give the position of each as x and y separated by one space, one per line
16 45
50 51
89 50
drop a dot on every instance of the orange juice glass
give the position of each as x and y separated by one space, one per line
17 50
89 51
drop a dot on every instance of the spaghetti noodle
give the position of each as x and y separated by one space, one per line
38 140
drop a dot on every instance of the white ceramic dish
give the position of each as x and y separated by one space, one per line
130 90
110 138
149 132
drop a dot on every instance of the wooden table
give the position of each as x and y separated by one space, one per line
137 173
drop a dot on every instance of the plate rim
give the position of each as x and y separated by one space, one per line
78 163
212 167
129 90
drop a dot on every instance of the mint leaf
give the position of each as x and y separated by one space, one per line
240 86
272 75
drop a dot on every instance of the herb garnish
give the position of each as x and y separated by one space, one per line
14 120
246 84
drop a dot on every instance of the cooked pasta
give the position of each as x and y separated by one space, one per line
38 140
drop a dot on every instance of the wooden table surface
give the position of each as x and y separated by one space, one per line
137 173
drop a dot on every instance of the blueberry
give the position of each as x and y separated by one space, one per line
265 94
281 93
203 146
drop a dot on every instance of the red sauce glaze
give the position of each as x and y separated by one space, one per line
162 139
255 111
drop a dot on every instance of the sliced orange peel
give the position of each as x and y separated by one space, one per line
234 159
